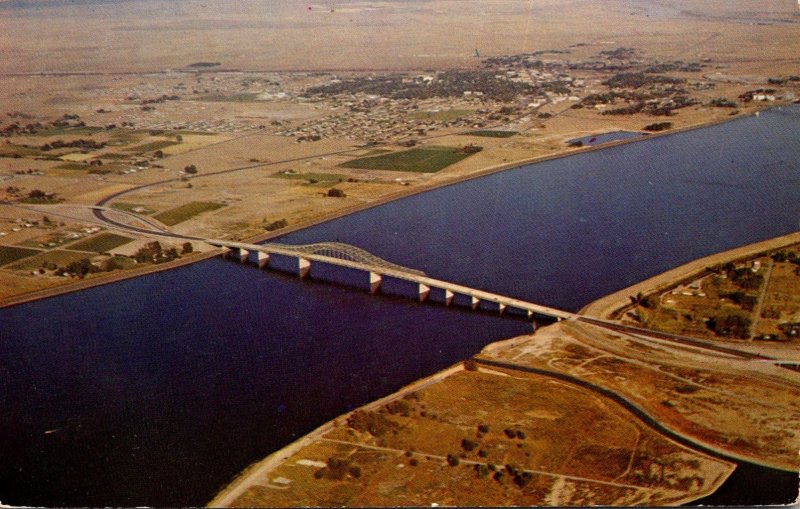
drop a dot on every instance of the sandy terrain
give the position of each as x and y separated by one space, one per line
419 455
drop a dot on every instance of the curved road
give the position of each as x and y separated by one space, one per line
628 405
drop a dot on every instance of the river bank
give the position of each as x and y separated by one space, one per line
614 305
446 181
255 485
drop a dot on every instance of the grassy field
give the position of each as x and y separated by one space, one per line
492 134
77 131
11 150
442 115
180 214
73 166
101 243
112 155
10 254
152 146
421 160
132 207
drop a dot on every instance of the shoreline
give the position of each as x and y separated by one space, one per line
423 188
240 483
613 305
256 470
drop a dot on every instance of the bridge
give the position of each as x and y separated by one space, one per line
377 269
345 255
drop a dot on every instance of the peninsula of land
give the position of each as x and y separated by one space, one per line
573 414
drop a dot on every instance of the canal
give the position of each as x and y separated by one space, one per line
158 390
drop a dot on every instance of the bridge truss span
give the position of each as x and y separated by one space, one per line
341 251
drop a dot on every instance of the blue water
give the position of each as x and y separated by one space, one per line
158 390
599 139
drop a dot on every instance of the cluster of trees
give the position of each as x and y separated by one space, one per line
80 268
658 126
640 79
335 193
730 325
371 422
663 109
79 144
276 225
337 468
190 169
39 196
721 102
15 129
154 252
743 277
786 256
746 301
748 96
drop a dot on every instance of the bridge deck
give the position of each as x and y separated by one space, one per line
397 272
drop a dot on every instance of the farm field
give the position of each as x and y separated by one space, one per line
9 254
101 243
423 160
184 212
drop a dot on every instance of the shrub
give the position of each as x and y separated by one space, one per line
468 445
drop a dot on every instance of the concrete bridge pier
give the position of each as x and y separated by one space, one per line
475 302
242 254
226 251
303 267
259 258
375 280
424 291
448 297
501 307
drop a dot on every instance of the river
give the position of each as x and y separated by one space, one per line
157 390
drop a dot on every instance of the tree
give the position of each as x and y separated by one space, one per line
187 248
336 193
191 169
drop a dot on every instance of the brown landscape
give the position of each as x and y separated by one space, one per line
215 121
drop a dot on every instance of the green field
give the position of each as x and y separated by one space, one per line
72 166
421 160
112 155
130 207
152 146
101 243
77 131
10 254
492 134
11 150
441 116
61 258
180 214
